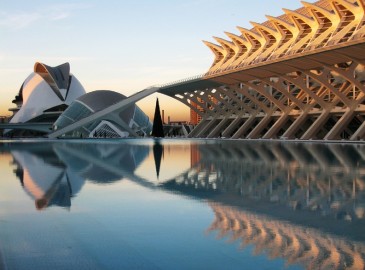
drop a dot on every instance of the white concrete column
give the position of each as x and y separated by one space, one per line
244 127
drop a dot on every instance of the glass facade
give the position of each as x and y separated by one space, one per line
144 124
72 114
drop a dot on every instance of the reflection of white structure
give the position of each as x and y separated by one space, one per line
102 163
51 174
46 92
327 181
300 245
48 184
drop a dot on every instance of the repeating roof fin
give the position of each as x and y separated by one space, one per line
313 26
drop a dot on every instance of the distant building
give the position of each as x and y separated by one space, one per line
4 119
172 123
195 118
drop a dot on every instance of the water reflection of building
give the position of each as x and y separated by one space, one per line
102 163
195 155
304 203
325 180
279 239
52 174
45 178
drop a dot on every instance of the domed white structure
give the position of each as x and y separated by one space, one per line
46 93
52 98
131 122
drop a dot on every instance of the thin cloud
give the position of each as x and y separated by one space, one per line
15 20
45 59
63 11
18 20
198 3
60 16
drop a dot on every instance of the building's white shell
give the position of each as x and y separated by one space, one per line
38 96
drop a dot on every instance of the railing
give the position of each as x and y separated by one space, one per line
182 81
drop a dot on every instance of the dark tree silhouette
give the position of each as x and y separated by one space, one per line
157 129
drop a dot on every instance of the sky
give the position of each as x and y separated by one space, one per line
117 45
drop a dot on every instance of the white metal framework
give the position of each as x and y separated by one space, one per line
300 75
106 129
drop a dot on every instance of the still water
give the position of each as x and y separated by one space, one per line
181 204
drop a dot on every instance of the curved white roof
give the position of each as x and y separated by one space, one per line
57 77
38 96
100 99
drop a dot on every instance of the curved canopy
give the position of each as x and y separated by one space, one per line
57 77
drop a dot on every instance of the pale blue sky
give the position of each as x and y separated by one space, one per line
119 45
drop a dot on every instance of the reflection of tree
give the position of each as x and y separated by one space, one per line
278 239
157 154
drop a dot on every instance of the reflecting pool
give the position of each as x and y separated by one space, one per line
181 204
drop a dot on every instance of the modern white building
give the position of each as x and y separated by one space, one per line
52 98
47 90
44 95
131 122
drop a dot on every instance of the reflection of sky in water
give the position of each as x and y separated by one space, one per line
217 205
175 159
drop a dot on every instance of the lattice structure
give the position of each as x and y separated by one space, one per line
300 75
107 129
